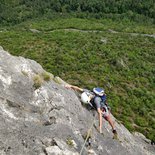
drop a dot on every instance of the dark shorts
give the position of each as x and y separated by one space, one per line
105 113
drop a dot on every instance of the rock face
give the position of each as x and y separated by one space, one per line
42 117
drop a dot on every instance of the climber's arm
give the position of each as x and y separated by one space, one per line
74 87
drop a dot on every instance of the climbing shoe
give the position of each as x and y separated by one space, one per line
115 134
114 131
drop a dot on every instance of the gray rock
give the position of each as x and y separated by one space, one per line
49 119
34 30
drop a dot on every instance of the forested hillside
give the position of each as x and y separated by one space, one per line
16 11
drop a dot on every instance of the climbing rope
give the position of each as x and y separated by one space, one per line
88 135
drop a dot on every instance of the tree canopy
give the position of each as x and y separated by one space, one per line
16 11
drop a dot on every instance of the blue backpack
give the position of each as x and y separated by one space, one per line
100 93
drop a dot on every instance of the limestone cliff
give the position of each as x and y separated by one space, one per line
39 116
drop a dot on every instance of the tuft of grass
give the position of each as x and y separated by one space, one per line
69 142
57 80
46 76
37 81
88 134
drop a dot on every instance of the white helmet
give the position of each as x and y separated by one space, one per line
85 97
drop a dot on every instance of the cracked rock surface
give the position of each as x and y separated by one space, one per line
50 119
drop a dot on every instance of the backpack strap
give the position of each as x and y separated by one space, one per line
103 98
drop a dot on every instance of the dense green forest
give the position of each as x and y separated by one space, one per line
16 11
108 43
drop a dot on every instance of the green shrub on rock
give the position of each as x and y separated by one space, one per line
37 81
